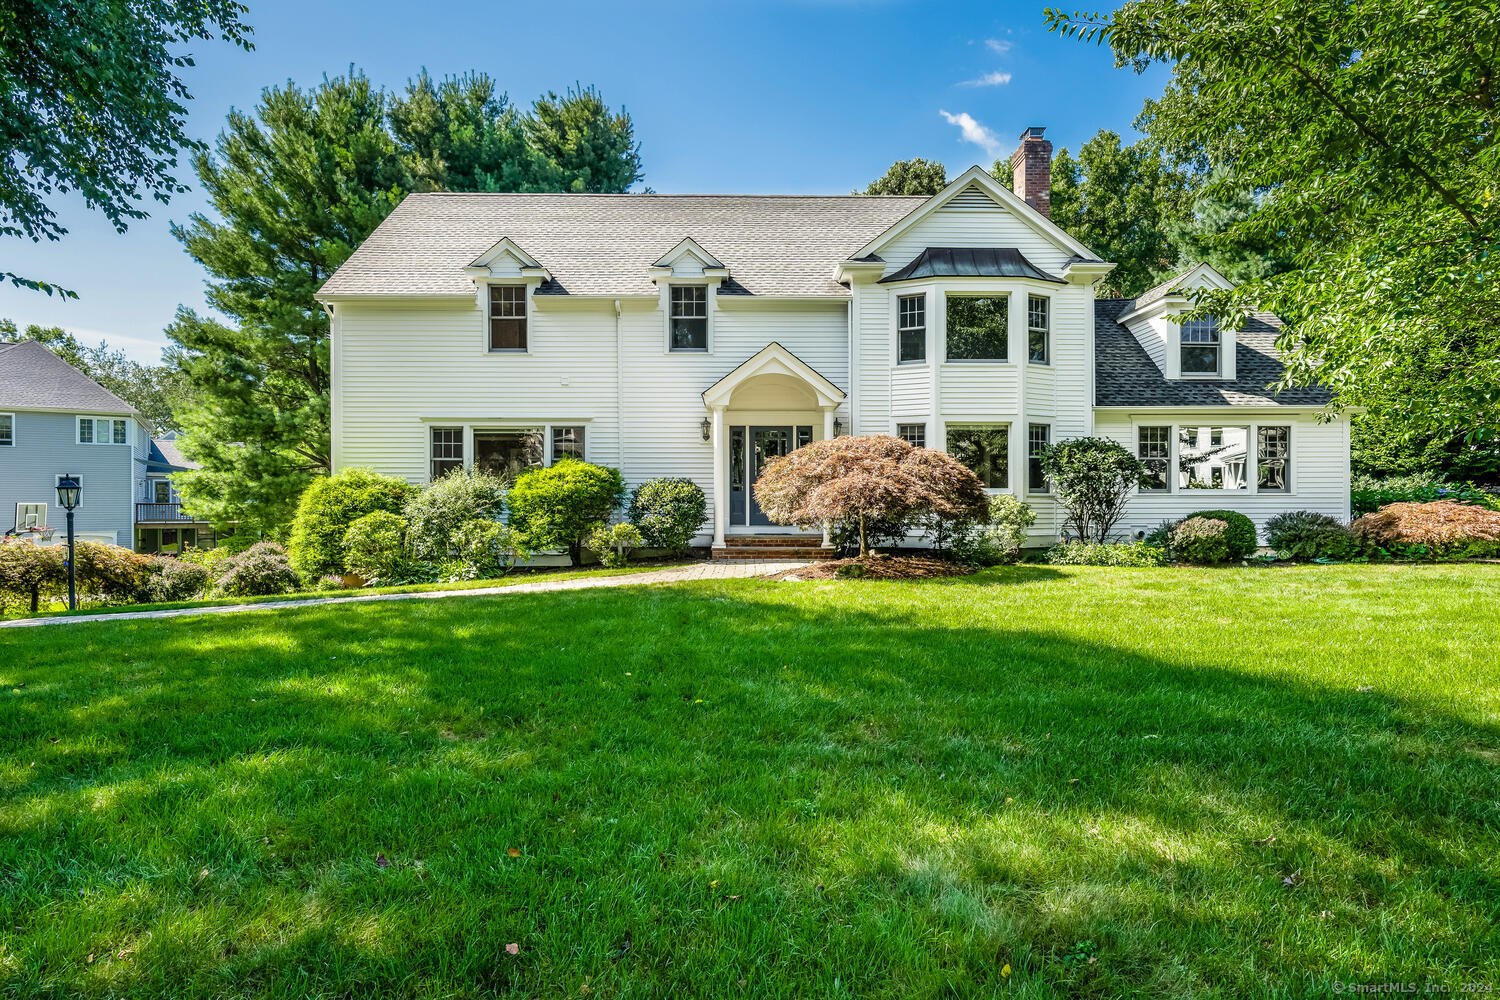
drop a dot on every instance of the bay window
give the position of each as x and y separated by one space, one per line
985 448
911 329
1039 329
978 327
1038 437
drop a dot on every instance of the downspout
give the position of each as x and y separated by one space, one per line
619 392
853 379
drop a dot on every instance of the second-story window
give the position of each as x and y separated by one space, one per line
911 329
1200 347
507 317
689 318
978 328
1039 329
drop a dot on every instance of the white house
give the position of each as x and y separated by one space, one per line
702 335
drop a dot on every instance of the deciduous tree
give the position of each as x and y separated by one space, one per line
914 176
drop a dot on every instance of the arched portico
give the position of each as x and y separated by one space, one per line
771 404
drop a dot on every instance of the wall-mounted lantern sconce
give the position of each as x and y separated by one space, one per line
838 426
707 427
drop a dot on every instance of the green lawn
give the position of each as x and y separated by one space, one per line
1175 782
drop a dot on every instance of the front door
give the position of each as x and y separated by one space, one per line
766 443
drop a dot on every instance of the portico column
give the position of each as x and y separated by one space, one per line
721 497
827 436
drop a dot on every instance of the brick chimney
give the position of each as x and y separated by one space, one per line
1032 165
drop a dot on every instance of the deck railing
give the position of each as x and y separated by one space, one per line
159 513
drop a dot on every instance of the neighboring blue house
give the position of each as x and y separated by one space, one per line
55 421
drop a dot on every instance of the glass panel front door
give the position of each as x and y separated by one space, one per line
766 443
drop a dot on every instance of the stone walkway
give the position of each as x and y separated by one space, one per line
707 570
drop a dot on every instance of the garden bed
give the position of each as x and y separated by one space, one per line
877 567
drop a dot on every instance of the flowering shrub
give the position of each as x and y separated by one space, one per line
486 549
996 538
261 569
668 512
1305 534
374 548
855 482
1440 530
1106 554
612 543
1201 540
329 506
434 514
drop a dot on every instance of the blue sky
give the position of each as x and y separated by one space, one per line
816 96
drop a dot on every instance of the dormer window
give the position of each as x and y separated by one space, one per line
1201 347
507 317
689 318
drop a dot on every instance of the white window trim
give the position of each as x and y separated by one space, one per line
1010 448
1252 456
78 430
927 328
1010 297
12 441
470 426
711 307
1046 489
83 494
1217 375
1047 361
897 424
484 312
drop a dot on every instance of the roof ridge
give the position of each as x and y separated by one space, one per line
654 194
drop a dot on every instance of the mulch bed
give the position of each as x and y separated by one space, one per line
876 567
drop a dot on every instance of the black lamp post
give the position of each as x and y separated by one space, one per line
69 494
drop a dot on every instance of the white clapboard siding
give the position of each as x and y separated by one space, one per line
971 223
1319 458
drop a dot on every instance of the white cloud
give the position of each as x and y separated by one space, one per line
999 78
974 132
999 46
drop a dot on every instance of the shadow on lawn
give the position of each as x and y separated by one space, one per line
905 806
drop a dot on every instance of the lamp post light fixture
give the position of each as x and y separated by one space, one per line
69 495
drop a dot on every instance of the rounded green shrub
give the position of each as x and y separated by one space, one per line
553 508
612 543
1306 534
261 569
374 548
1106 554
437 511
486 549
329 506
1201 539
668 512
1240 533
174 579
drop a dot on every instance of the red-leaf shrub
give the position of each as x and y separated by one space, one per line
858 480
1441 530
29 572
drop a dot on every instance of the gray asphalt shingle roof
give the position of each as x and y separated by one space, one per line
1125 375
604 244
165 457
33 378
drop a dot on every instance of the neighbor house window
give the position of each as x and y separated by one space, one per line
82 493
1220 466
447 451
7 429
911 329
1200 346
507 317
1038 437
985 448
102 430
1154 446
977 328
913 434
689 318
567 442
1273 459
31 515
509 452
161 491
1039 329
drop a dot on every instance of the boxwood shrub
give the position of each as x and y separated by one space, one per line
329 506
553 508
668 512
1201 539
1239 534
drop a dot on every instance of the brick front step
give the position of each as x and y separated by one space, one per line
773 547
794 541
780 553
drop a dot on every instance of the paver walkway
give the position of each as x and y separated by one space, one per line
707 570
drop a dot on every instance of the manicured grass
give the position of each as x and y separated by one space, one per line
1171 782
520 576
